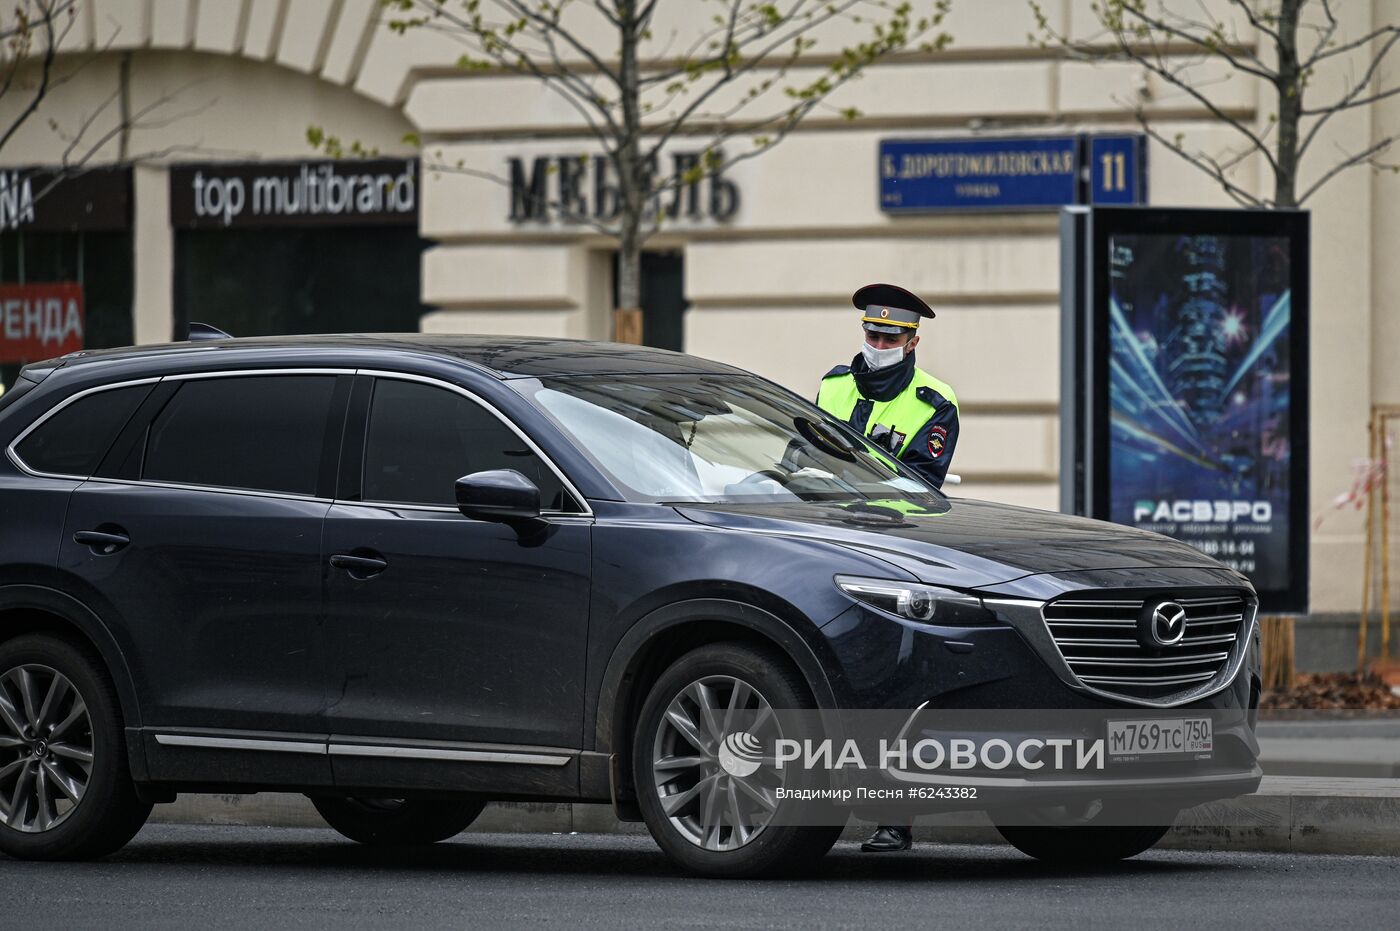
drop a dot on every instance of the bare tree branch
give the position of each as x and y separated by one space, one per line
1346 47
137 120
551 26
46 68
1209 166
1347 100
1350 99
50 22
24 26
704 40
1207 43
1142 32
1254 20
607 14
1157 67
634 108
1365 156
1324 35
794 37
510 56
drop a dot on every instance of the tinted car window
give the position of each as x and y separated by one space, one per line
74 439
421 439
264 433
720 438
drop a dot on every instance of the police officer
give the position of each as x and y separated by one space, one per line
899 407
882 393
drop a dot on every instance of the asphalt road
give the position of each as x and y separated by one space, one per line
185 876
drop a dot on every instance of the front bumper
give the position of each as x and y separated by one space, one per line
1008 670
1138 784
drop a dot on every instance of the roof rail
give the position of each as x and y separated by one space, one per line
200 331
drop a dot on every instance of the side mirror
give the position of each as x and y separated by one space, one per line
501 495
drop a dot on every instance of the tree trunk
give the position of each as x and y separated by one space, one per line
1279 659
627 316
1290 105
1277 665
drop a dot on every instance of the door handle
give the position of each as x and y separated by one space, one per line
359 567
103 543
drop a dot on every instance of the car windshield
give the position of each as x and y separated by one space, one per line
719 438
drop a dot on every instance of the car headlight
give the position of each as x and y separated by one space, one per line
927 603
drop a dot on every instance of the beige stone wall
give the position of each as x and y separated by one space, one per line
769 288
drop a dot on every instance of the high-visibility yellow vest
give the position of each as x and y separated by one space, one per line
906 412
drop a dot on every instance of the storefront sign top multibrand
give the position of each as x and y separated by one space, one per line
223 195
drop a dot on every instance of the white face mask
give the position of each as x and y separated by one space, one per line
881 358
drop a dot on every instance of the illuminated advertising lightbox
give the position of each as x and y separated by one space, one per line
1186 332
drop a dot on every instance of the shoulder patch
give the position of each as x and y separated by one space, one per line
839 370
937 441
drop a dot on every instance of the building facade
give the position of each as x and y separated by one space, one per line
758 274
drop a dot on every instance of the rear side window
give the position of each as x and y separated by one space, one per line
73 440
262 432
421 439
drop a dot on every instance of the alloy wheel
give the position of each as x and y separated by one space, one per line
713 765
46 748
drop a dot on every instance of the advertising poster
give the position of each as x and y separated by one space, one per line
1199 394
1184 382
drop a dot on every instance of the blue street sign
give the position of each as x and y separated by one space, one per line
1116 173
1009 173
925 174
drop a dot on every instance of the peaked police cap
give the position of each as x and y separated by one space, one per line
888 308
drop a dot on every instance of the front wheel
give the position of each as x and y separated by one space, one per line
395 822
709 798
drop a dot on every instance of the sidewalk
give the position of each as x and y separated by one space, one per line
1368 749
1289 814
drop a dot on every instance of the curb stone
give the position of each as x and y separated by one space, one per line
1289 814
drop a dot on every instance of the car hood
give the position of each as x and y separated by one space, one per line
960 541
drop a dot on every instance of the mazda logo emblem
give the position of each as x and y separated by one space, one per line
1163 626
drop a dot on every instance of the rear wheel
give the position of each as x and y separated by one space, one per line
388 822
1087 842
711 806
65 783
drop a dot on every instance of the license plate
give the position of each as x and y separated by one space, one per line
1156 738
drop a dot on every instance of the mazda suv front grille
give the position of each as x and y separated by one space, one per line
1109 644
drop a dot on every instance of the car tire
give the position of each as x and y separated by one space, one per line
774 849
1083 845
65 779
396 822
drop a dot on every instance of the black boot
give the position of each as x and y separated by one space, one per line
888 839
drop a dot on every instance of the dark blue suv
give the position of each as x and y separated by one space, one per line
410 574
